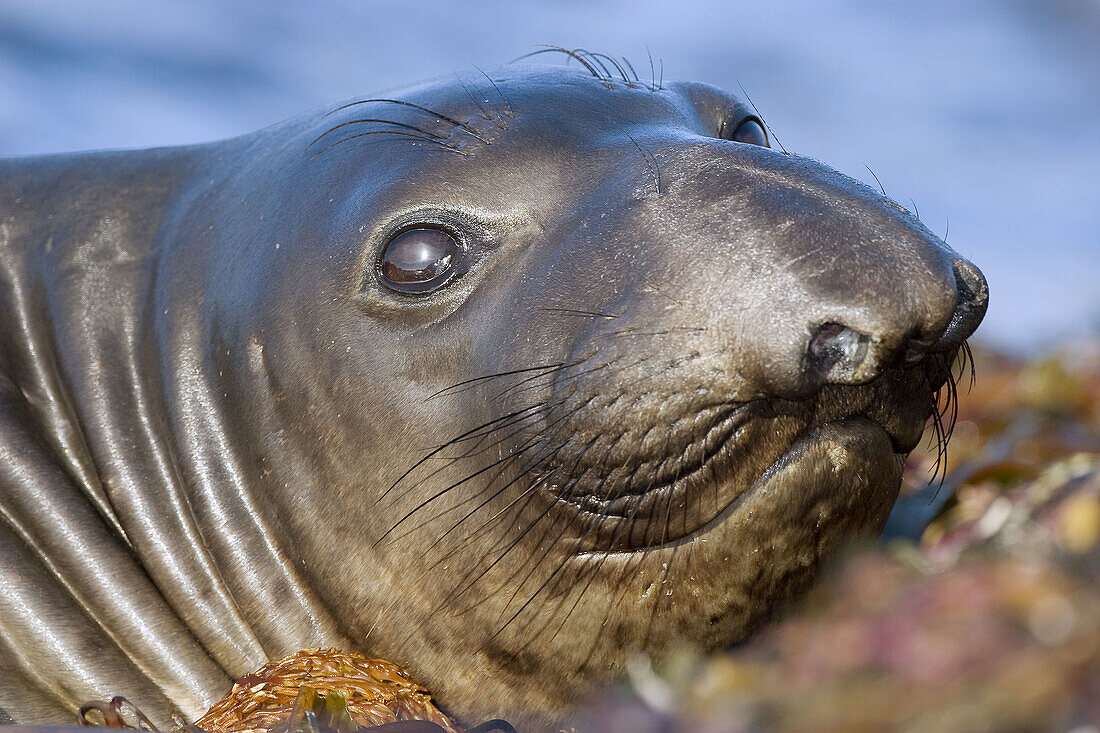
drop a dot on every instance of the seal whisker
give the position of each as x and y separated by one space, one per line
464 436
478 447
597 55
880 188
624 525
516 417
654 288
937 439
531 382
469 538
526 604
546 48
500 512
651 160
477 434
484 115
760 116
409 135
502 466
497 375
573 312
507 107
632 71
518 586
529 492
967 360
454 485
502 461
514 388
438 115
560 380
619 68
451 553
507 550
524 497
578 592
605 73
561 494
551 583
376 120
945 405
663 332
460 591
593 524
475 450
950 409
534 378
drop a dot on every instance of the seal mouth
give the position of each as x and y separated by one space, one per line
742 445
659 516
857 469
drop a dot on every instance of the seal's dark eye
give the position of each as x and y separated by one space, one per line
420 260
750 131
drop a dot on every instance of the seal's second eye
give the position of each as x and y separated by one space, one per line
420 260
750 131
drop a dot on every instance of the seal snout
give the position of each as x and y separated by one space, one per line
970 304
839 353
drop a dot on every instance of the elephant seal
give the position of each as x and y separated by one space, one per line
503 378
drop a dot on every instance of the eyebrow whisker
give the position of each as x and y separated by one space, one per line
379 121
572 54
438 115
391 132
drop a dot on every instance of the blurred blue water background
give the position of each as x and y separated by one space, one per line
984 114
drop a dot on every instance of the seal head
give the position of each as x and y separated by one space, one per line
503 378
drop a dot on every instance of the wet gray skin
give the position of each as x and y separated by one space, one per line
649 374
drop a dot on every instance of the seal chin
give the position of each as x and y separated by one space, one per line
841 473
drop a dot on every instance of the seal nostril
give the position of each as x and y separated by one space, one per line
971 300
840 353
969 283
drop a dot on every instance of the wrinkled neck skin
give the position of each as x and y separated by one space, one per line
605 438
143 563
